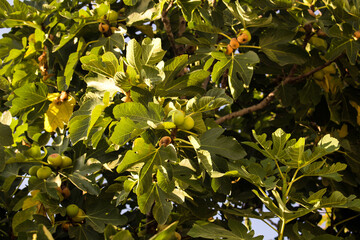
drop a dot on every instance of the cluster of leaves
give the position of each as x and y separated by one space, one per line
105 96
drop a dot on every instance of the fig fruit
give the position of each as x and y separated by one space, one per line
178 117
43 172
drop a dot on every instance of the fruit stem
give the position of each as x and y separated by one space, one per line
191 133
182 140
249 46
225 35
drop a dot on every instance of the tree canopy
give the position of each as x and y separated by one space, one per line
179 119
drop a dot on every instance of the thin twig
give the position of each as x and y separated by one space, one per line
167 26
270 97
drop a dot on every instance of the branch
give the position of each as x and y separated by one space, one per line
271 96
167 26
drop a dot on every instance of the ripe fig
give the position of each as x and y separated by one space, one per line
244 36
164 141
234 44
357 34
229 50
104 28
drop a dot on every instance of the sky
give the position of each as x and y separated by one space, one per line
260 227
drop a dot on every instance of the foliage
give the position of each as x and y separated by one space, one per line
99 82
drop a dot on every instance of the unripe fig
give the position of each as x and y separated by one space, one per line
234 44
72 210
43 172
66 162
33 179
178 117
112 16
104 28
33 170
55 160
79 216
188 123
164 141
229 50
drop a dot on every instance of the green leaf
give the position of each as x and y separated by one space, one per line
177 86
275 44
71 64
83 232
130 2
296 151
331 171
162 207
310 93
116 40
152 52
152 115
74 30
146 200
241 71
341 45
174 66
213 99
325 146
122 235
98 214
244 14
83 183
214 142
6 138
212 231
44 233
31 95
22 216
187 8
102 84
167 233
141 152
84 119
106 65
133 55
124 131
220 67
